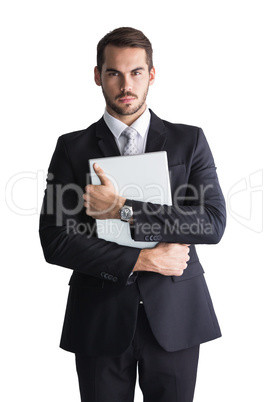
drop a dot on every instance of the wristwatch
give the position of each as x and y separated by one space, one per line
126 212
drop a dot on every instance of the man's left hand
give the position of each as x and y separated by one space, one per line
102 201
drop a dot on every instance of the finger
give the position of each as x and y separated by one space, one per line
101 175
87 188
86 196
179 273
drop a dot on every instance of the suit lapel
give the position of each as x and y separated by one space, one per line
106 139
157 135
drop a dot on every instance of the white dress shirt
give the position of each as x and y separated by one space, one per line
141 125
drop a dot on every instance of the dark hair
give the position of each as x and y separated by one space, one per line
125 37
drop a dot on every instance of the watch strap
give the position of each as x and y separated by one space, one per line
128 203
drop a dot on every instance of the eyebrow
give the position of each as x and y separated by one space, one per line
113 70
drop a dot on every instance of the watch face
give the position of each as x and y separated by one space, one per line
126 213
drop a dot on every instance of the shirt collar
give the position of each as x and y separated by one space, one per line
117 127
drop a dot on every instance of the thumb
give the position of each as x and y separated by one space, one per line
101 175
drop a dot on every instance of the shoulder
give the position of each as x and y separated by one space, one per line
171 127
76 142
79 135
181 128
183 134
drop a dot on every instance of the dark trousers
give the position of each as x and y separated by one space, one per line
163 376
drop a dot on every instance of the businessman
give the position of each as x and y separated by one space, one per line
130 308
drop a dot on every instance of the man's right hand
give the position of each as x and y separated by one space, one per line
165 258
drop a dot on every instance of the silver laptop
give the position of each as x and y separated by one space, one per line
142 177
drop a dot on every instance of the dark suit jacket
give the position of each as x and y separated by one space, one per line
102 306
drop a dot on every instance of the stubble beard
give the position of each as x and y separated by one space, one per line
128 110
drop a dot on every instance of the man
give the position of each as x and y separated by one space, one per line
129 307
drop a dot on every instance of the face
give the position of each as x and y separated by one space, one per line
125 80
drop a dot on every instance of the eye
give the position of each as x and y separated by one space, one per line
136 73
113 74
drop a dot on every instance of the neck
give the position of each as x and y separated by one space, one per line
127 119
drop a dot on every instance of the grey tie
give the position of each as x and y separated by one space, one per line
131 145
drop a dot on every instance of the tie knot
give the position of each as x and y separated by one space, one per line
130 133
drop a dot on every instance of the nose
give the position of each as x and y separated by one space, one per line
126 84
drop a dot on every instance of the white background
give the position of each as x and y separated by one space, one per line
211 64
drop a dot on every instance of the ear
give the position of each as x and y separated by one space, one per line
97 76
152 76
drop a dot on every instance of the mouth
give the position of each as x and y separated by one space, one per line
127 99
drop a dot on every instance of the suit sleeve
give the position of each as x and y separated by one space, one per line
66 232
198 214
